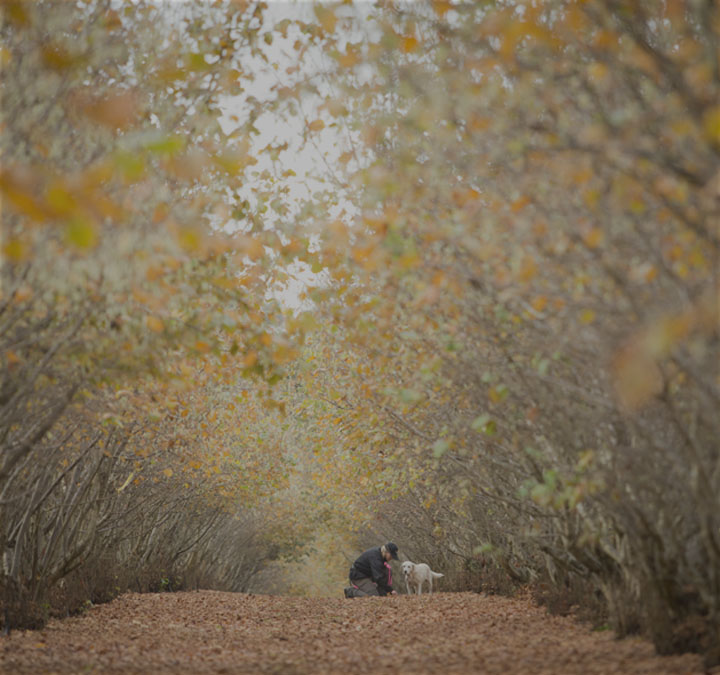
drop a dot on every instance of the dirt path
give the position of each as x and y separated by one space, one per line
212 632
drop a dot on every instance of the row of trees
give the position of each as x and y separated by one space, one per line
134 299
522 371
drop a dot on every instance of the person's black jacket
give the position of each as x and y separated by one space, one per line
372 565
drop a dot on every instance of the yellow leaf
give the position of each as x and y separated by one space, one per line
154 324
127 482
587 316
711 124
56 57
325 16
22 197
498 394
15 249
351 57
16 12
80 233
598 71
168 472
60 199
697 258
316 125
594 237
583 175
189 238
591 197
202 346
441 7
233 162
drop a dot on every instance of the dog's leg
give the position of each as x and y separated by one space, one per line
430 584
407 585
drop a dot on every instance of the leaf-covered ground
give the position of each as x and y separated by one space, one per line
213 632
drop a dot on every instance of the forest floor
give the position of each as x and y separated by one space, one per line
214 632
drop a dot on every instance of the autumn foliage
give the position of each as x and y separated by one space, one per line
507 358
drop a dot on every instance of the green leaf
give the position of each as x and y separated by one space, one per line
483 548
452 346
478 424
543 366
484 425
167 145
130 164
410 396
196 61
440 447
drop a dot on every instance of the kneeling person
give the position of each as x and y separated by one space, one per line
371 574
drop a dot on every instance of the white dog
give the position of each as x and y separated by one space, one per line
416 574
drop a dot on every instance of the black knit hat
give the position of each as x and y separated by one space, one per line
392 549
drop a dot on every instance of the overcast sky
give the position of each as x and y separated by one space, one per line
310 160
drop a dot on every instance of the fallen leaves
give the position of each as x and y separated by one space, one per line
215 632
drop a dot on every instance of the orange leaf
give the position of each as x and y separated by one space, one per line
519 204
11 357
409 44
528 269
115 112
636 376
594 237
441 7
154 324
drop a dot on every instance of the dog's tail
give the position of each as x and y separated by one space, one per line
436 575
